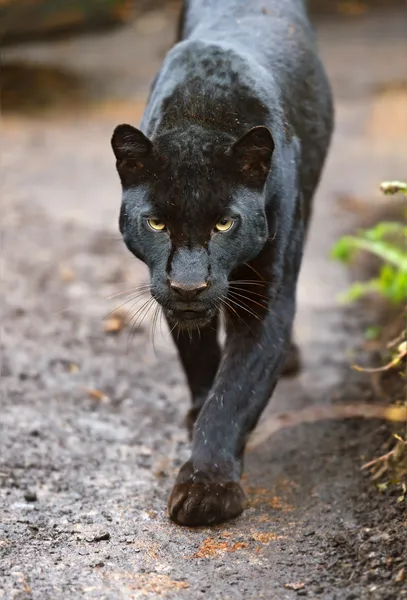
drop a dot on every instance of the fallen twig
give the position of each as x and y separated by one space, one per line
390 365
312 414
381 458
398 340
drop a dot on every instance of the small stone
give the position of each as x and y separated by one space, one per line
379 537
99 537
400 576
30 496
297 587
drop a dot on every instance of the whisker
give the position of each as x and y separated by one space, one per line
135 315
254 270
251 282
139 288
154 323
172 329
132 299
258 304
271 239
161 324
127 317
133 321
149 329
244 308
137 324
226 303
151 302
240 289
237 295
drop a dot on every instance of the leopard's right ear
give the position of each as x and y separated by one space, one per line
130 143
132 150
253 153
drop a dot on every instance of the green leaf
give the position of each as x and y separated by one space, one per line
403 493
359 289
383 229
387 240
343 249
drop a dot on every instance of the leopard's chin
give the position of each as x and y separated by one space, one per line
190 319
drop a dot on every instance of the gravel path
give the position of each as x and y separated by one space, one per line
91 422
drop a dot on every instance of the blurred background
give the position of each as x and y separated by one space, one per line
89 407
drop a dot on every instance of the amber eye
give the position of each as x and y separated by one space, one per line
224 224
156 225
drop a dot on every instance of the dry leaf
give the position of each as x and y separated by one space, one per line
114 324
266 538
400 576
212 548
66 273
295 586
97 395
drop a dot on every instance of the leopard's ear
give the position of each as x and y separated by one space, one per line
253 152
133 152
130 143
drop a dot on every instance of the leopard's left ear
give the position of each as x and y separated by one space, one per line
253 152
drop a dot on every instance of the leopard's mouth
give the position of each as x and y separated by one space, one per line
188 318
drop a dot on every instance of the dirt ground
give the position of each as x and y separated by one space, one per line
91 422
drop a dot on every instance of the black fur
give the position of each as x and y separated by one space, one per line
237 127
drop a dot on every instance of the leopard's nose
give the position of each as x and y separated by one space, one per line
187 293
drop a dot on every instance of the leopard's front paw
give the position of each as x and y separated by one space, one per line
200 499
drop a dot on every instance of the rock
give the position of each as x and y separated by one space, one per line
30 496
99 537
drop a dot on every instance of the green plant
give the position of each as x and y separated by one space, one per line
387 241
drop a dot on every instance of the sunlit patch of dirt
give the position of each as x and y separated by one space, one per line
259 496
266 538
147 583
211 548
